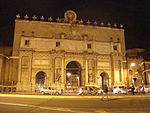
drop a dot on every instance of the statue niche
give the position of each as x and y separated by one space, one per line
58 74
90 76
91 72
58 64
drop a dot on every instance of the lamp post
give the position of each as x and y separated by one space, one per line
78 81
68 82
131 66
144 73
69 75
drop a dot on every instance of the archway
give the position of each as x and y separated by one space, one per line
40 79
73 75
103 79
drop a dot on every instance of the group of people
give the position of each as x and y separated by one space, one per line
141 90
138 90
133 90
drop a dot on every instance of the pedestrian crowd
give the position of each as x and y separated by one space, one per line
131 90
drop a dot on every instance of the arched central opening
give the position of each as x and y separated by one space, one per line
73 75
103 79
40 79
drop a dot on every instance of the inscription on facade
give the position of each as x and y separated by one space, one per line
41 62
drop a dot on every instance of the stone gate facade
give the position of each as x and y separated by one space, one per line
47 47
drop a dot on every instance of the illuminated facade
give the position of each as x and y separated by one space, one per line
138 68
67 53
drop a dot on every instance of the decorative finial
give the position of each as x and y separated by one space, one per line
50 19
26 16
81 21
121 26
88 22
42 18
108 24
58 19
18 16
115 25
95 23
34 17
102 24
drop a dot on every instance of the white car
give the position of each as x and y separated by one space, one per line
51 91
119 90
90 90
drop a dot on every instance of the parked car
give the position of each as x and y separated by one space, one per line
120 90
51 91
116 90
89 90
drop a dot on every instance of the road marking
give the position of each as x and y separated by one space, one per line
15 104
80 110
75 110
71 97
36 106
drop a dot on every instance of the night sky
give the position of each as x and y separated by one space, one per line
133 14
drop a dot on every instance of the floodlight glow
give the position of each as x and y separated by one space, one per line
132 64
68 74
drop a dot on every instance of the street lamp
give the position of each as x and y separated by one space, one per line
68 74
132 64
78 80
69 80
4 56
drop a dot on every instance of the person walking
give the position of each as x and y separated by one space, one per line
132 89
105 93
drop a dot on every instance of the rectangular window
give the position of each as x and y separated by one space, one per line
115 47
89 46
27 42
57 44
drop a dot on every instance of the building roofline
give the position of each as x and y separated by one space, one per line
68 24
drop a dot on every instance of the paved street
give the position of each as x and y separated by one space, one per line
73 104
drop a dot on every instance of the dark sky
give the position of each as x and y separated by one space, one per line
133 14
